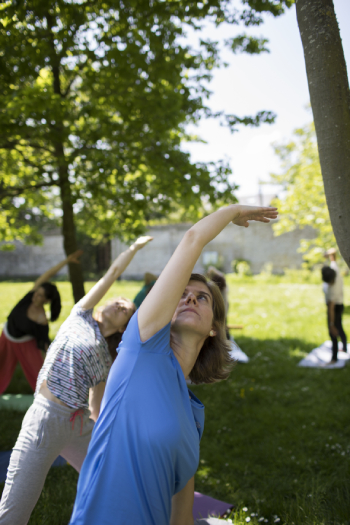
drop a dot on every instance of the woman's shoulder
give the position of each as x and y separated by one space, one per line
158 342
25 301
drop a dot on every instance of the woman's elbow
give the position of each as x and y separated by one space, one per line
193 238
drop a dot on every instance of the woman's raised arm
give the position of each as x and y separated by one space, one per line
115 270
72 258
160 304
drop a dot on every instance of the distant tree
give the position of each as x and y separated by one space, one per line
95 97
330 101
304 202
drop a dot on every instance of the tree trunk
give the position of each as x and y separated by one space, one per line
68 227
330 101
68 231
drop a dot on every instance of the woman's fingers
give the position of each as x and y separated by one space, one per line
142 241
255 213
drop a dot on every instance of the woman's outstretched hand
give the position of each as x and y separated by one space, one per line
74 257
254 213
142 241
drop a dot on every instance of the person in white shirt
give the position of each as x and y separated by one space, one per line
333 290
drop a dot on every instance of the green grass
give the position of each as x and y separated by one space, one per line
276 439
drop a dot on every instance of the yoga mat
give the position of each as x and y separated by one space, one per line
5 460
18 402
205 507
319 357
237 353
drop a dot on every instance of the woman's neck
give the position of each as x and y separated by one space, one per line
105 327
186 349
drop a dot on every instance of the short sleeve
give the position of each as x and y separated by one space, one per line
131 341
78 310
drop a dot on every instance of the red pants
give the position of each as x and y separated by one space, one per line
28 354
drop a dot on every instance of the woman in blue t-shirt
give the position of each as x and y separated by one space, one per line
144 451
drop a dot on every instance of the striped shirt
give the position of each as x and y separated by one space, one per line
76 360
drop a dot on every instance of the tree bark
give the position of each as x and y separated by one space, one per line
330 101
68 226
68 231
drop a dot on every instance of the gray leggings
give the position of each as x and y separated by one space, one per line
46 433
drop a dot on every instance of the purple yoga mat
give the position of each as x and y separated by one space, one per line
205 506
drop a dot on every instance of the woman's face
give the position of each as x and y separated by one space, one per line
194 313
118 312
39 297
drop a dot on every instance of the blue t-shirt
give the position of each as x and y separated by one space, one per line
145 444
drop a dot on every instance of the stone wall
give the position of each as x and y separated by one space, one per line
257 244
33 260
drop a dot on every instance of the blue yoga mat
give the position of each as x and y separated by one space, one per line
5 460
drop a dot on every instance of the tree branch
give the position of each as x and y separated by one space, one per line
15 191
80 67
12 145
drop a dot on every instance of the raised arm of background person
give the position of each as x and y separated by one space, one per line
72 258
182 505
95 398
115 270
159 306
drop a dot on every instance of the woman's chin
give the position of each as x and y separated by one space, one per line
188 326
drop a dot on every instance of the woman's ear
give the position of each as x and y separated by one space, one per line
212 333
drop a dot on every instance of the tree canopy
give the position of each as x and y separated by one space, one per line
95 99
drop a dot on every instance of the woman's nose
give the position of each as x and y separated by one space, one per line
191 298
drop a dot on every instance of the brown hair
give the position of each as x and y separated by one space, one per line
217 277
214 362
113 340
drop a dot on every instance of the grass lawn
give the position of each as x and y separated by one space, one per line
276 439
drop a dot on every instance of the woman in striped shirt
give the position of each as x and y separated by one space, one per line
71 381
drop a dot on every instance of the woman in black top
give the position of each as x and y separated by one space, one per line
25 336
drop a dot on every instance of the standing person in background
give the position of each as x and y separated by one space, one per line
144 452
25 336
71 380
333 290
150 281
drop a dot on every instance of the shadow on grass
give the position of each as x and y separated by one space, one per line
290 348
276 435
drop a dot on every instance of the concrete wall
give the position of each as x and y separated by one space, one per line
33 260
256 244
